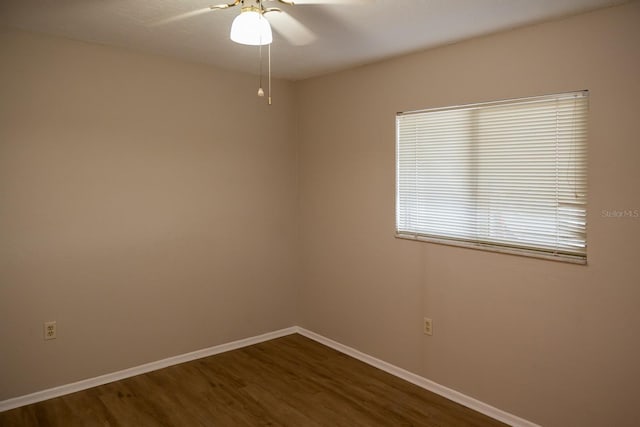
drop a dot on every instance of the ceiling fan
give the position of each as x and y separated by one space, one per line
285 24
251 26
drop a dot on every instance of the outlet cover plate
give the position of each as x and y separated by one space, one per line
428 326
50 330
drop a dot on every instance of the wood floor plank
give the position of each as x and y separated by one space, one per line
281 409
89 410
128 407
289 382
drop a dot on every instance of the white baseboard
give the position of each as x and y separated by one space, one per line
50 393
422 382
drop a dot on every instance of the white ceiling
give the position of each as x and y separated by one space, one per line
347 32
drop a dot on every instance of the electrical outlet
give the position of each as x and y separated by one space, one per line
428 326
50 330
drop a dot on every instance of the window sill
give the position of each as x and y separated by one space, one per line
571 259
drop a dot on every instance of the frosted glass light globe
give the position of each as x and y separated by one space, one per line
251 28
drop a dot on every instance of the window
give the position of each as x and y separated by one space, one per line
507 176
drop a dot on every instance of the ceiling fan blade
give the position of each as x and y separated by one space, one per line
180 17
195 12
225 5
356 2
290 28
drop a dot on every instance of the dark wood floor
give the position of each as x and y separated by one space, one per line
290 381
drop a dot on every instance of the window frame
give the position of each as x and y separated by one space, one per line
514 248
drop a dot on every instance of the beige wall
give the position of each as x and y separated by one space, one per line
554 343
146 205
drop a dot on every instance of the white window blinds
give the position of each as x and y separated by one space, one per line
506 176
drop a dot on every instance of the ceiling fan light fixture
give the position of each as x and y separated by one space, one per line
251 28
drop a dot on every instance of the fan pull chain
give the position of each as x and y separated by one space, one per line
260 91
269 73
